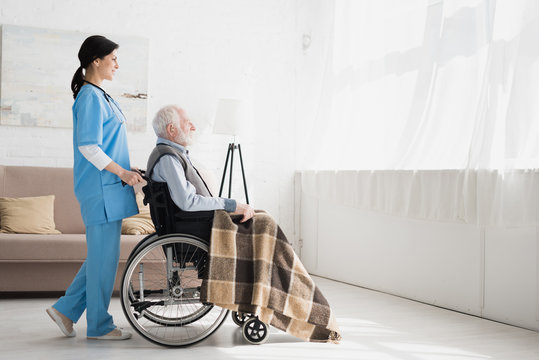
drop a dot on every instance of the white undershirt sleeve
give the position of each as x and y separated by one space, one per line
95 155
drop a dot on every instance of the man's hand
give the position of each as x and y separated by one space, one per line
243 209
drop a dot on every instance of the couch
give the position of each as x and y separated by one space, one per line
48 262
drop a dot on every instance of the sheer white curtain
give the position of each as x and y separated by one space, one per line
431 101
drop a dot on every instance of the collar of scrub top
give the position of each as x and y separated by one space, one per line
108 98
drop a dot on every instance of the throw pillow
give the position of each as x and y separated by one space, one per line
28 215
141 223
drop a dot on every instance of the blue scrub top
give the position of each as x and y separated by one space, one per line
101 196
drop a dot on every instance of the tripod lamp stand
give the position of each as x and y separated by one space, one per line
228 120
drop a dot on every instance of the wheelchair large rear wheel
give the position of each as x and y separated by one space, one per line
161 292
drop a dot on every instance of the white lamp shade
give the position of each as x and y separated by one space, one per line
229 117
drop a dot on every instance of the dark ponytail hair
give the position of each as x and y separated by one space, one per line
94 47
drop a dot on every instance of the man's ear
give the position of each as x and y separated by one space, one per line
171 129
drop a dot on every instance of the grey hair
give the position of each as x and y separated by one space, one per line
167 115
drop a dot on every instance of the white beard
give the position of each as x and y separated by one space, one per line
182 139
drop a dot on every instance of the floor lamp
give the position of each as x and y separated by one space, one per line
229 117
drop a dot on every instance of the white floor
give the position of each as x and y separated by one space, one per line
374 326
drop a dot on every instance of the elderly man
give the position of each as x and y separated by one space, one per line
252 268
187 188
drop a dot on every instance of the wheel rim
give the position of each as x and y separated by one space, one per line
171 312
255 331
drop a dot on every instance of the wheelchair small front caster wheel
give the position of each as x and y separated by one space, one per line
255 331
239 318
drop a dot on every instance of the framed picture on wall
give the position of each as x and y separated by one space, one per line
36 68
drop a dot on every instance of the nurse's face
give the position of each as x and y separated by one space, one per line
106 67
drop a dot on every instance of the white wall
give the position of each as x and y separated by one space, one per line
485 271
200 50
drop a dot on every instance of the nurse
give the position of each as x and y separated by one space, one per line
101 163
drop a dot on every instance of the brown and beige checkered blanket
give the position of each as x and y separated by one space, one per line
254 269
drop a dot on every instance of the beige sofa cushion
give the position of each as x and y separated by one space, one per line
28 215
141 223
19 181
54 248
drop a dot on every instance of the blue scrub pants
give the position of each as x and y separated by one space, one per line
92 287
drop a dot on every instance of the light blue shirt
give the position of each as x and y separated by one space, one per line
169 169
101 196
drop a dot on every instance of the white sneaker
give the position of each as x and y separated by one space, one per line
63 322
116 334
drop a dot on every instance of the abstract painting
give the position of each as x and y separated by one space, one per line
36 68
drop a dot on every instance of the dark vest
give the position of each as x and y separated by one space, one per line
191 173
166 216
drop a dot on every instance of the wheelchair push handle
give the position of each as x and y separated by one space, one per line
142 174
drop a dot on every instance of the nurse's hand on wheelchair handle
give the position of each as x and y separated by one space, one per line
244 209
130 177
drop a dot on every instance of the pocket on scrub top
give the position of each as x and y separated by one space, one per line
116 199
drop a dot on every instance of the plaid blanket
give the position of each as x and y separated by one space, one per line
253 269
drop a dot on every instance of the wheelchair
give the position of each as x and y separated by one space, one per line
160 291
